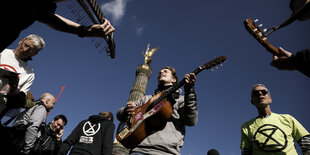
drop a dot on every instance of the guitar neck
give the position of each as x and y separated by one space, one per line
175 87
182 82
270 48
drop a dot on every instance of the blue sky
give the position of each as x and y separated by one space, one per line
189 33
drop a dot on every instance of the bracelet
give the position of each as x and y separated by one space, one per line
81 31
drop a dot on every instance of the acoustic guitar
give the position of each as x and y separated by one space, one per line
260 36
153 115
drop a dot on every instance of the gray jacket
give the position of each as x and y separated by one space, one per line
33 118
171 138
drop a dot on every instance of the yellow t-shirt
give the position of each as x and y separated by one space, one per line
272 135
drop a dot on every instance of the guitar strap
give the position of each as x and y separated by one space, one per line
295 15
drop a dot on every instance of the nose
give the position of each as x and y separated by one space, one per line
58 127
162 72
25 48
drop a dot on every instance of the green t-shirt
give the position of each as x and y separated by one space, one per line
272 135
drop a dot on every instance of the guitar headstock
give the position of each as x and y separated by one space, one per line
259 36
214 62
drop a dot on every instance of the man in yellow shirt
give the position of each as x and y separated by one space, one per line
271 133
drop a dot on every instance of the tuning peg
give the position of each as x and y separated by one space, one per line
260 25
216 67
264 30
211 69
221 65
256 20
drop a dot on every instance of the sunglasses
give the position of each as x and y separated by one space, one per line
257 92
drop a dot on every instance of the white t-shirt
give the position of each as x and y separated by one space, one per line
9 62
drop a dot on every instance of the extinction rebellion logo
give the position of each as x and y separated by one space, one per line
270 138
89 130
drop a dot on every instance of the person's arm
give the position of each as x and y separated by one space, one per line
246 152
189 113
302 61
245 143
60 23
26 86
288 61
59 135
107 147
18 99
37 117
58 142
300 134
70 140
304 144
121 115
124 112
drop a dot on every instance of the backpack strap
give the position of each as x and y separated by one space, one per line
12 118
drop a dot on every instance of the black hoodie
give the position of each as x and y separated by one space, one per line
93 136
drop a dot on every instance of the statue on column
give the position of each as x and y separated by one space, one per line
148 54
143 73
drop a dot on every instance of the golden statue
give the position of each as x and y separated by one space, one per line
148 54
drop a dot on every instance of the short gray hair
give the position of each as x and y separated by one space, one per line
38 41
257 85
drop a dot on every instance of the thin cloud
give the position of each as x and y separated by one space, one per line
116 9
139 27
139 30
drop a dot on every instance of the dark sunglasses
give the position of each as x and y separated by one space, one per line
263 91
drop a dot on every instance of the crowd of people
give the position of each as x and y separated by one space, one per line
30 134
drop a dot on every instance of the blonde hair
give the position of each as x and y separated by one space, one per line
107 114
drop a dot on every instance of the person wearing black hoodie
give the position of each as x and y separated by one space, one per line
93 136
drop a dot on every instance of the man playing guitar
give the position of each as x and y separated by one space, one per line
170 138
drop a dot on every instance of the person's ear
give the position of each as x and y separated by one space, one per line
174 80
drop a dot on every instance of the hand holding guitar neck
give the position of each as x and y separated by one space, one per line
260 36
190 79
283 61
